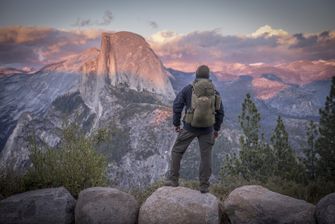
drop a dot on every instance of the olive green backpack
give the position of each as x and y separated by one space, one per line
204 103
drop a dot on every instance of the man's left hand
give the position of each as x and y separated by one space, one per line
216 134
177 129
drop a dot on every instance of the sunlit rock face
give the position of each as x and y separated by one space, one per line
126 59
266 89
308 71
297 72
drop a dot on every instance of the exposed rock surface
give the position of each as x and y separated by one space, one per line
179 205
102 205
126 58
325 210
50 205
13 155
255 204
34 94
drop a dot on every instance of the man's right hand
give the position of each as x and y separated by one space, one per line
177 128
216 134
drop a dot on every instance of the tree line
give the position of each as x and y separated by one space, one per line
260 160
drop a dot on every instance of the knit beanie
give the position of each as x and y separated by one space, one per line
202 72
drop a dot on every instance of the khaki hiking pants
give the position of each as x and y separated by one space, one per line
184 139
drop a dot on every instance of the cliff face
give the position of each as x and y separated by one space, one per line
34 93
127 59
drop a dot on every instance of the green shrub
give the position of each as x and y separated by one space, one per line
10 182
74 164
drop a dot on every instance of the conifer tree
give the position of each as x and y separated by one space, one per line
310 159
325 144
255 154
286 165
249 121
268 158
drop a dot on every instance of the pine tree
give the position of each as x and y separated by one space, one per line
286 165
249 121
255 154
267 158
310 159
325 144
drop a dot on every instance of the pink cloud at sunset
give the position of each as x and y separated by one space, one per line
42 45
266 45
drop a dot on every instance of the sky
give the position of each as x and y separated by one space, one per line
180 31
182 16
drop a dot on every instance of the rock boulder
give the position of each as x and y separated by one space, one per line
325 210
105 205
179 205
255 204
50 205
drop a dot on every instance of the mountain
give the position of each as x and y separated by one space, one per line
297 72
301 101
180 79
125 60
309 71
10 71
34 93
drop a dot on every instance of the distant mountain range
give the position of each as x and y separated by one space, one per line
124 87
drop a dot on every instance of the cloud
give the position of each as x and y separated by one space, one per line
82 22
22 34
40 45
153 24
303 41
268 31
163 37
106 19
265 45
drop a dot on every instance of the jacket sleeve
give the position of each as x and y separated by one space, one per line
178 106
219 114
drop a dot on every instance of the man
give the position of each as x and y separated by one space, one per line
203 113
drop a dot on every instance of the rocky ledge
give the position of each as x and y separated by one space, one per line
247 204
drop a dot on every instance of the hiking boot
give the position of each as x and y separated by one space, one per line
203 189
171 183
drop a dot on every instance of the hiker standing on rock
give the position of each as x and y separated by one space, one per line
203 118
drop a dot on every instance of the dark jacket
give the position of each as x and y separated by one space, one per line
183 99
